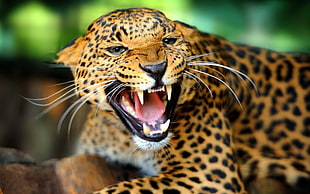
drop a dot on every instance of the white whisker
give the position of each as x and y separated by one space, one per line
54 105
63 83
218 79
52 102
82 101
193 75
117 89
31 100
198 56
102 100
112 92
236 72
72 67
64 98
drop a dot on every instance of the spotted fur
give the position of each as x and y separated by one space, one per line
222 132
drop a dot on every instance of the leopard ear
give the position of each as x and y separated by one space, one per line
187 30
71 53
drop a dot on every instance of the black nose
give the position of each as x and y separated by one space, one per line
155 71
159 68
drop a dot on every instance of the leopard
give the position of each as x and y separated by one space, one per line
190 110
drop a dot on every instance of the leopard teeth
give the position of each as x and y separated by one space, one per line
156 132
146 129
141 96
167 88
125 102
164 126
162 89
169 91
128 108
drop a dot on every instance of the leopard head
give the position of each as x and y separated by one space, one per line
131 62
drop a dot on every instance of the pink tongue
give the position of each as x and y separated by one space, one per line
152 109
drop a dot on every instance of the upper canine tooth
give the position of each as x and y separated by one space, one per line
169 91
165 126
141 96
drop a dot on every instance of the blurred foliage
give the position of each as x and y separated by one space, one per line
38 29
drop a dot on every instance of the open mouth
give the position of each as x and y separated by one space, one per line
148 113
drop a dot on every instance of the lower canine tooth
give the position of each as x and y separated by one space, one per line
146 129
164 127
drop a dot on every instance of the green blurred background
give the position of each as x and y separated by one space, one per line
31 33
38 29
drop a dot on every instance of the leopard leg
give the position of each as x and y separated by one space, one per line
184 179
288 170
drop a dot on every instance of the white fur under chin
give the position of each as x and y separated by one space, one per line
149 145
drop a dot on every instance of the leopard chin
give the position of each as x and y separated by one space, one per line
146 114
151 145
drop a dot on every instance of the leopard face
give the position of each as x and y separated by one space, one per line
138 80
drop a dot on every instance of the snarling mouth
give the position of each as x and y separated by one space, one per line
148 113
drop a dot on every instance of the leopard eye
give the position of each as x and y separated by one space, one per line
117 50
170 40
